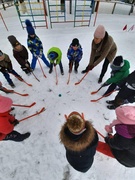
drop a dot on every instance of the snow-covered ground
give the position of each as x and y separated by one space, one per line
41 156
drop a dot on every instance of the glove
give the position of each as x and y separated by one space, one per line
89 67
54 64
27 65
15 122
107 139
105 84
125 101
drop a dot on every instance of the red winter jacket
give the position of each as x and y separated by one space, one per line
5 124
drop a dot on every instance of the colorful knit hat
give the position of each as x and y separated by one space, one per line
5 104
99 32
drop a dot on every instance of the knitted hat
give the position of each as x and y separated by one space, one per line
52 55
29 27
12 39
5 104
125 115
1 53
75 42
99 32
75 123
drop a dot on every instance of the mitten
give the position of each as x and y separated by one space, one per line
107 139
15 122
105 84
108 129
54 64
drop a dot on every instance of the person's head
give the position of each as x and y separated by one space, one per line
75 123
1 55
14 42
99 34
75 43
117 63
5 104
29 28
52 56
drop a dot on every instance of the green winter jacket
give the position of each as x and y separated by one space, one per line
58 51
120 75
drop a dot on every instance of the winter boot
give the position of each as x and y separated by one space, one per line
50 71
25 136
111 107
110 102
62 72
12 85
84 71
100 80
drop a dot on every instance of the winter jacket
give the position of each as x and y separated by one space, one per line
80 149
105 49
117 76
74 55
58 51
6 125
127 91
123 149
5 64
35 45
21 56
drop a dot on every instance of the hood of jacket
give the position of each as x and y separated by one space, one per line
80 143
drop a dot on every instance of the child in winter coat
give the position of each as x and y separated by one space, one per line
80 140
126 92
20 53
5 89
120 70
54 54
103 46
74 55
35 45
122 144
8 121
6 68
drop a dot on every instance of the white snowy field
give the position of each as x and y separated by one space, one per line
41 156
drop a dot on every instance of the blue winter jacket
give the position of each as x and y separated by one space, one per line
74 55
35 45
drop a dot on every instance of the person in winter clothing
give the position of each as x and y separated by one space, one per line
35 45
6 68
126 92
80 140
120 70
103 46
20 53
5 89
54 54
122 144
74 55
8 122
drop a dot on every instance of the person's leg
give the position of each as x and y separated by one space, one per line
70 66
51 68
104 69
110 89
33 63
61 68
76 67
16 136
45 60
7 77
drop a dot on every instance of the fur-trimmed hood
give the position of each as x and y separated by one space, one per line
83 142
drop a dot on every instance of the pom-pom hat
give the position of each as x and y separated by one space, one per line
75 123
29 27
99 32
5 104
117 63
75 42
125 115
14 42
